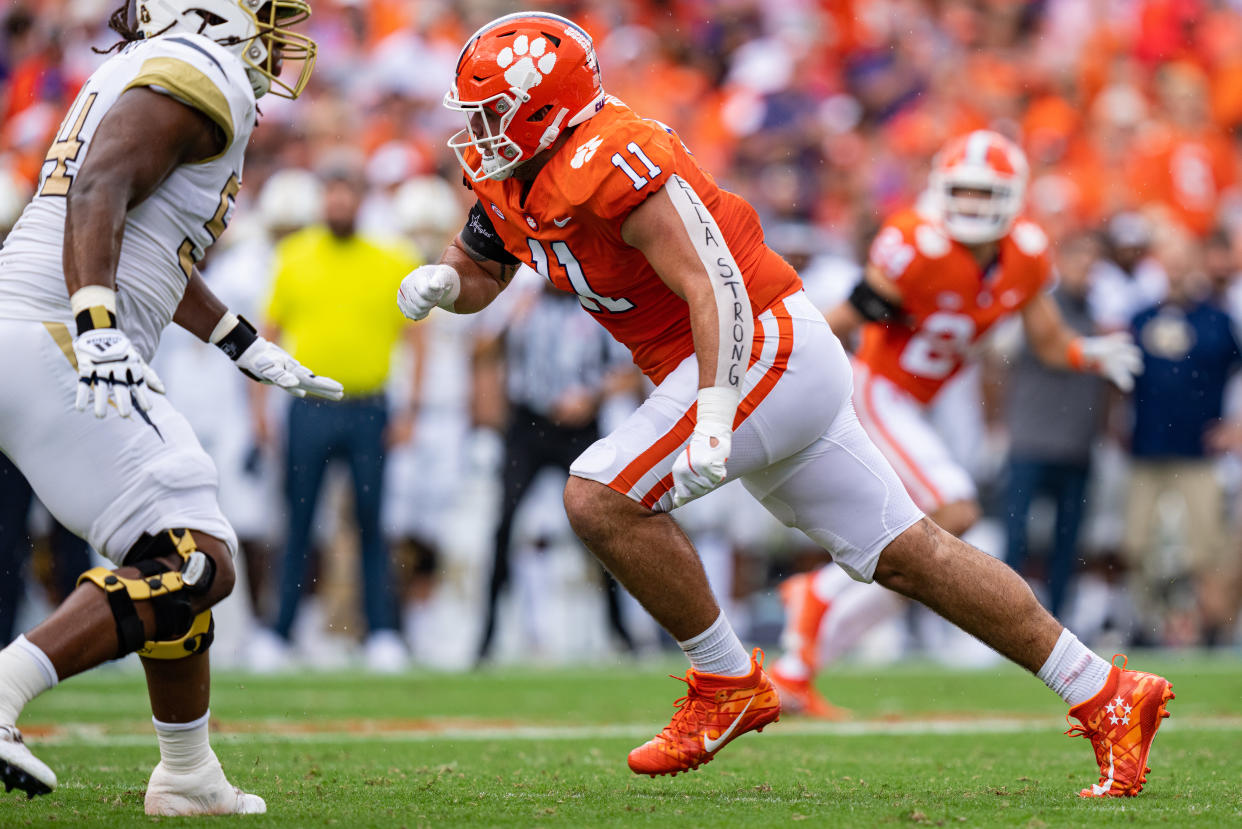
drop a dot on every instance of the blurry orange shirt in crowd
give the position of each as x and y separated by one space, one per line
1166 30
1220 38
1186 170
25 84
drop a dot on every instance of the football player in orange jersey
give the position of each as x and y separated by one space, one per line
748 375
939 277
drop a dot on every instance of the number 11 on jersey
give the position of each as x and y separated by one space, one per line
573 269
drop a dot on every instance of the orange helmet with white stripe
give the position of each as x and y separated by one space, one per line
521 80
977 186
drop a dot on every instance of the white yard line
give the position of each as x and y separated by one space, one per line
77 734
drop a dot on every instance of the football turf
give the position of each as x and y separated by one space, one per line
927 747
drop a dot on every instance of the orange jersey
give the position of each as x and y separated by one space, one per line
947 300
568 229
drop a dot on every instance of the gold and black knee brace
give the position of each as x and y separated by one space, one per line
178 631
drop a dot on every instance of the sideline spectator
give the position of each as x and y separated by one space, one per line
332 301
1126 278
1053 416
558 367
1175 510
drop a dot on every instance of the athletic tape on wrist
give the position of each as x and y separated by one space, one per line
717 407
93 306
237 339
223 327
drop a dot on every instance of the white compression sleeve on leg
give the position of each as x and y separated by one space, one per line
737 322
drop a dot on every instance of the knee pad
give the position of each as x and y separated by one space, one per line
179 632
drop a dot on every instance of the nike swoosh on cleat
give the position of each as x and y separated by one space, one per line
1102 788
562 222
710 745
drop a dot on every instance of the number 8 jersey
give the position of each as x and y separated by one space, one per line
568 228
947 300
173 227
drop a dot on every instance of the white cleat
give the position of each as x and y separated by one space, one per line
19 769
204 791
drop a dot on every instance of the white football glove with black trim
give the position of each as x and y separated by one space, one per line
270 364
109 368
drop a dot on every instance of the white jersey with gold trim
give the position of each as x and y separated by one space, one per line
173 227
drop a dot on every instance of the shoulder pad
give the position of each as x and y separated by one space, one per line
201 73
931 241
1029 237
616 163
890 252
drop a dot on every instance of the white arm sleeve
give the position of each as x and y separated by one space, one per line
737 323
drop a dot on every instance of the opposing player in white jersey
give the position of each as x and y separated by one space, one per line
139 182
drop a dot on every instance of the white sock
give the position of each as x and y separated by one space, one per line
1074 672
183 746
25 672
717 650
791 666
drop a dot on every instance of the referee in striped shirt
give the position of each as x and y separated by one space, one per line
558 367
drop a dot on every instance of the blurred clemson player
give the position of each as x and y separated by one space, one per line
750 380
939 276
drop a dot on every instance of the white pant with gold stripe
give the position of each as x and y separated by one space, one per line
108 480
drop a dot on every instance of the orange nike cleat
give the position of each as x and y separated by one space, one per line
798 696
1121 721
804 611
716 710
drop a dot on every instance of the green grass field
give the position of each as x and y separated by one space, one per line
927 747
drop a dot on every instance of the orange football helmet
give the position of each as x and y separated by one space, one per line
521 80
977 186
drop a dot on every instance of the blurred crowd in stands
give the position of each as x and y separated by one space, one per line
825 116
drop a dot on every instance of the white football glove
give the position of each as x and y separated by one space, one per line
110 367
1114 356
268 363
427 287
700 468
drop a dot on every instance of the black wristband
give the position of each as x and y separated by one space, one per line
96 316
239 339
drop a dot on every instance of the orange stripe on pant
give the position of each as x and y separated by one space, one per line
629 477
898 450
784 327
